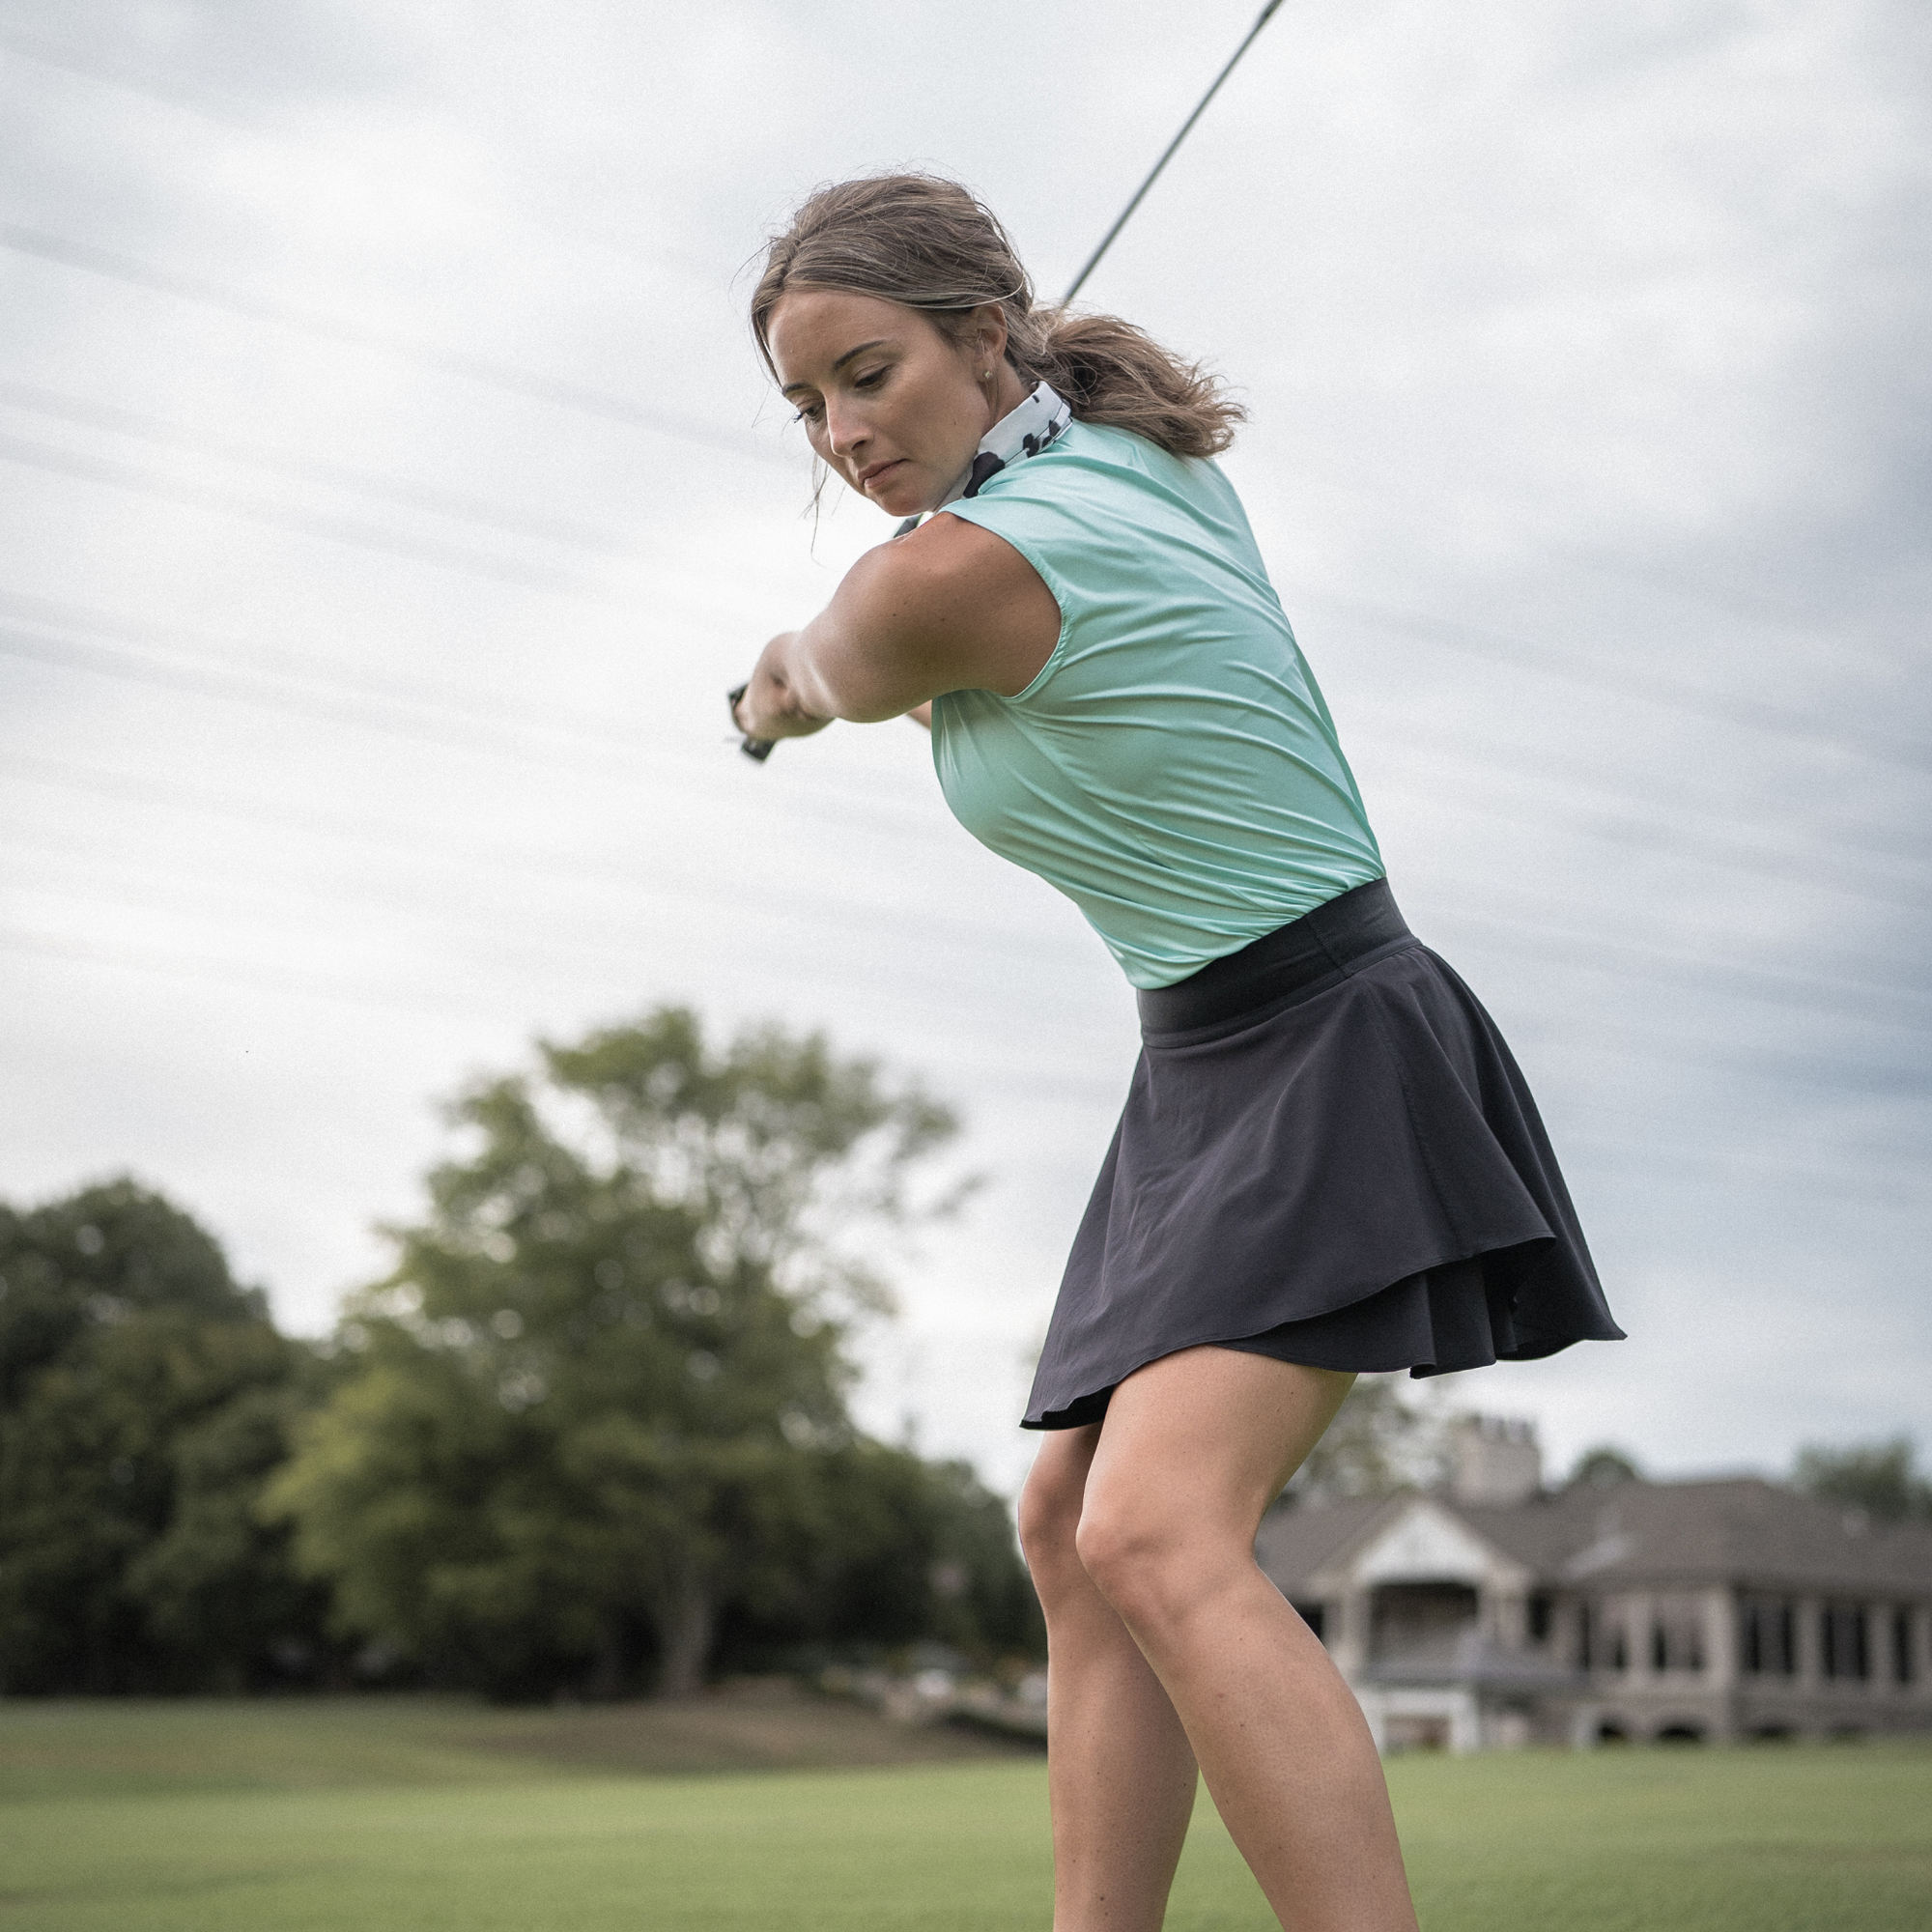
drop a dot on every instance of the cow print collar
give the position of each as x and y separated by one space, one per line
1022 432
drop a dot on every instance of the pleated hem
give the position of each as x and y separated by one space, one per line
1440 1320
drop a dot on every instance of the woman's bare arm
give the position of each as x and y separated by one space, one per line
949 608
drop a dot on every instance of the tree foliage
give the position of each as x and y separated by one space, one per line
144 1396
1602 1467
1377 1445
595 1418
1880 1478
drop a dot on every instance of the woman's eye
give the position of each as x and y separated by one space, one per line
870 380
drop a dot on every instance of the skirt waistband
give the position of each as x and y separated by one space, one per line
1298 960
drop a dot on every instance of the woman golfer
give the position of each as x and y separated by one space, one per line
1328 1162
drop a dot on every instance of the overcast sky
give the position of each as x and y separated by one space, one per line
390 490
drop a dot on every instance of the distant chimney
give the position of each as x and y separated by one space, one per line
1493 1459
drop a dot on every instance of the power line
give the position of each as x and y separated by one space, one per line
1652 685
442 706
1674 836
1648 685
1667 837
392 839
404 492
1814 992
1834 1073
222 971
511 380
614 753
1030 1074
68 60
231 659
1834 997
204 652
1424 503
305 523
1848 996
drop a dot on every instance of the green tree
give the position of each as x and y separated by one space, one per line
601 1398
902 1549
1879 1478
1377 1445
144 1396
1602 1467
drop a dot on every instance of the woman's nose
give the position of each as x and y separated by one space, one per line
844 431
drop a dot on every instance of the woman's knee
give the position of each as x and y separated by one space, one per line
1049 1514
1149 1561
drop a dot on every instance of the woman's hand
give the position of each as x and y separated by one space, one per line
769 707
949 608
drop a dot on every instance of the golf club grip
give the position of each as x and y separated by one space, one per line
758 750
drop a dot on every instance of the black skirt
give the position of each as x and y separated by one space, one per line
1327 1156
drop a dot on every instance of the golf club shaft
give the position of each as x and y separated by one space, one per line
1167 153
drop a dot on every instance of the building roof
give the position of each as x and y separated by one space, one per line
1744 1531
1293 1543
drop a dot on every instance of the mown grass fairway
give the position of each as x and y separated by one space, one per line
367 1815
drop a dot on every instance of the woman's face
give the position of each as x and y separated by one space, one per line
897 408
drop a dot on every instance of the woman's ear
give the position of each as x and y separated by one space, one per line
989 332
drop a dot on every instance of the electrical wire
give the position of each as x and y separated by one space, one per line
618 756
304 522
448 860
1864 1001
1834 1073
1837 990
1646 684
580 397
72 61
403 492
1700 838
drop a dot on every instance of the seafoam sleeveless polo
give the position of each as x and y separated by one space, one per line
1173 769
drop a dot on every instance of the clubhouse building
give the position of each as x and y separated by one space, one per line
1495 1613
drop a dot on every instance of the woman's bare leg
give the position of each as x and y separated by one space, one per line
1194 1448
1119 1770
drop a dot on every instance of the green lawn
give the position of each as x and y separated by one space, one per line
365 1815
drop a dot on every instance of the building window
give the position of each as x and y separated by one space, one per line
1311 1615
1608 1638
1677 1635
1769 1637
1904 1665
1842 1641
1541 1614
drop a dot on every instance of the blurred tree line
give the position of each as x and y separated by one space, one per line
590 1435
